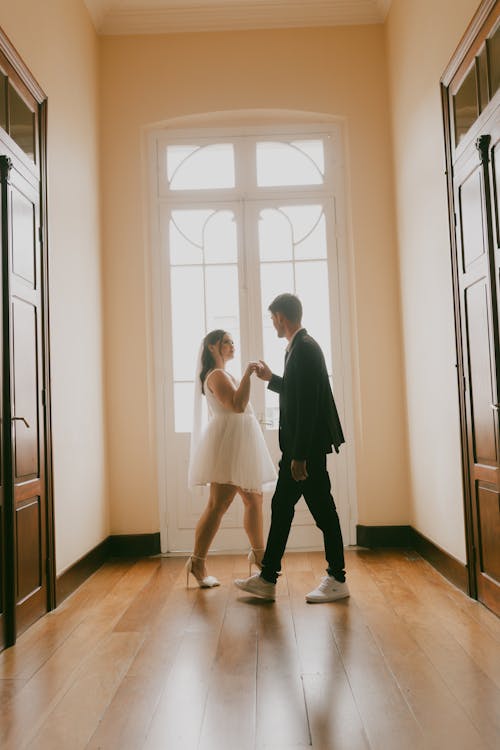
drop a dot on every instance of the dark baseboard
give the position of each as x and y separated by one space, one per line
408 537
451 568
134 545
120 545
383 536
77 573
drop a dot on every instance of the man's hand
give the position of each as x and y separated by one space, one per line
299 470
264 372
252 367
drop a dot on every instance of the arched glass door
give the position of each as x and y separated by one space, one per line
242 219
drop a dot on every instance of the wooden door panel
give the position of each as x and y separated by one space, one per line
471 213
25 390
481 377
23 262
488 502
28 538
495 172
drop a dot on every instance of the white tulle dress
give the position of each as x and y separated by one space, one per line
231 450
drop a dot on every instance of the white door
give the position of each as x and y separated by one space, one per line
242 220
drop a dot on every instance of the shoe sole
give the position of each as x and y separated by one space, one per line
325 601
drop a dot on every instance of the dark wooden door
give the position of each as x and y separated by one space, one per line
471 109
478 261
5 556
23 407
26 517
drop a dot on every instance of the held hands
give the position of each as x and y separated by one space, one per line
252 367
299 470
263 371
260 368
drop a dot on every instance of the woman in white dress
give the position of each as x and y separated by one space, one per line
230 454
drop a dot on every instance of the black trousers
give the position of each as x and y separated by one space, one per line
316 490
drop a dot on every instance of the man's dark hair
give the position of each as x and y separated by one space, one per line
288 305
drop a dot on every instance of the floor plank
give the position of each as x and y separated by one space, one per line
333 716
73 720
229 718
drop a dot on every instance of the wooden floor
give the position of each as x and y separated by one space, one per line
135 660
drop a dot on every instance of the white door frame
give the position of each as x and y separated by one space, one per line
160 344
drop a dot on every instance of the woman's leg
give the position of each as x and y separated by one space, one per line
252 519
221 497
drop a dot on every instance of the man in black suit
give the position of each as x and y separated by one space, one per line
309 428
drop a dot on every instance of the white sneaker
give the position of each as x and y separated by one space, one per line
329 590
257 586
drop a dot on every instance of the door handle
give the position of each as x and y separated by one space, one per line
21 419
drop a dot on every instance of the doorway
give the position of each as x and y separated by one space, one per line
238 217
471 107
26 521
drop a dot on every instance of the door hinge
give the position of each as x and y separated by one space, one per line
40 234
43 397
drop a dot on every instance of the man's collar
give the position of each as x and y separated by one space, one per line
293 338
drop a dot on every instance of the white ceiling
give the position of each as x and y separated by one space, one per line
170 16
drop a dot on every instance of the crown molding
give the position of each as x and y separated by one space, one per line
383 7
175 16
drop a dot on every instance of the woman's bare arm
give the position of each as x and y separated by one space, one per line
224 389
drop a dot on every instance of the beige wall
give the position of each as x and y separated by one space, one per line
421 38
56 40
336 71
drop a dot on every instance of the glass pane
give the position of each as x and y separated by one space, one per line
188 319
3 101
314 244
183 406
305 222
275 235
275 278
220 238
465 105
22 123
200 167
183 247
312 287
315 151
300 163
494 62
482 69
471 219
222 305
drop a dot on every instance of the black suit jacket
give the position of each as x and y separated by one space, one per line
309 422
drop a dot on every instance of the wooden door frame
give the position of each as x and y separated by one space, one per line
460 62
23 74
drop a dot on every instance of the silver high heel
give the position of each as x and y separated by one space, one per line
207 582
255 559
